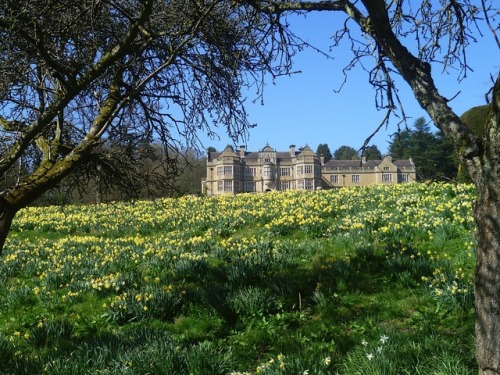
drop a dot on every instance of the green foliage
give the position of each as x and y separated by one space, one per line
345 153
391 355
475 119
432 153
198 325
52 333
399 148
324 151
206 358
372 153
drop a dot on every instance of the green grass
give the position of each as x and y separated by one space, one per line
271 284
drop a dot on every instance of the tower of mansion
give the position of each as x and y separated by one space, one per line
232 172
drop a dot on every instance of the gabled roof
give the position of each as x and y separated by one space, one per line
408 163
306 148
267 148
227 151
282 155
369 163
251 155
352 163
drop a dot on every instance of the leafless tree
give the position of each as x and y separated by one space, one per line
82 83
442 31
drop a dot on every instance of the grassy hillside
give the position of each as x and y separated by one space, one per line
371 280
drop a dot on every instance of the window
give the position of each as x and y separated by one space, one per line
386 168
355 178
404 178
249 186
386 177
304 169
309 185
220 185
334 178
226 170
249 171
267 160
285 171
228 185
267 171
300 184
285 185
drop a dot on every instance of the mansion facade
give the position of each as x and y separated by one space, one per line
232 172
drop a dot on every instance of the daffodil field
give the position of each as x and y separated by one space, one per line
369 280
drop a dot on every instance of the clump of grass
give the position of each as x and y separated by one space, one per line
206 358
7 356
199 324
402 354
252 302
51 333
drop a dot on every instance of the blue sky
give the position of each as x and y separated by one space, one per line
303 109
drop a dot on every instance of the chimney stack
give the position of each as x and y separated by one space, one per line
292 151
242 151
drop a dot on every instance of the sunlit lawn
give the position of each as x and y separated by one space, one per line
371 280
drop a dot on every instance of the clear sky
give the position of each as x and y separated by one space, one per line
304 109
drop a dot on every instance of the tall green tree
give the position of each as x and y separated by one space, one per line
324 151
447 162
372 153
423 150
345 153
431 152
399 146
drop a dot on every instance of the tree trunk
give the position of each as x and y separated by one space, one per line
7 213
487 216
487 284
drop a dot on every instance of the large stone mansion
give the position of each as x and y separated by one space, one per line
232 172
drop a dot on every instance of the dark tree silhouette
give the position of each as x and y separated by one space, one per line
345 153
432 153
372 153
324 151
